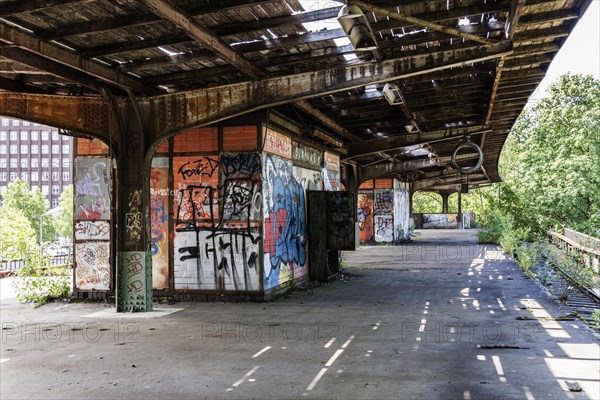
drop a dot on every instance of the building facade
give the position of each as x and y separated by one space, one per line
37 154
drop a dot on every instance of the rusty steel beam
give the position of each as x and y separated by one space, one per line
383 170
181 111
421 22
363 148
87 115
205 37
73 60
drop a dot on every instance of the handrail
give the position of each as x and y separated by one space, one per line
575 244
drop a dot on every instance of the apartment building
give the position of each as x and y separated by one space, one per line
37 154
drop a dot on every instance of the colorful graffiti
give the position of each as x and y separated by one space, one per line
91 214
364 217
196 181
92 265
384 202
92 190
284 211
211 251
440 221
159 217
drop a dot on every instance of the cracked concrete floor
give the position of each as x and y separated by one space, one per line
443 318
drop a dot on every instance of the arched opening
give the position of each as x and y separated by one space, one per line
427 203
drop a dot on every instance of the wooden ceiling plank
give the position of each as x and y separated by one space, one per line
53 52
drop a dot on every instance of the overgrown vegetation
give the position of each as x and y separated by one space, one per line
551 169
39 282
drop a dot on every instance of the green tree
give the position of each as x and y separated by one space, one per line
64 222
32 204
427 202
17 237
551 161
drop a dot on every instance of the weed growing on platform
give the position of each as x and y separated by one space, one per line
596 320
37 286
527 257
573 265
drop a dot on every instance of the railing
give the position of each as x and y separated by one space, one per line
572 241
47 261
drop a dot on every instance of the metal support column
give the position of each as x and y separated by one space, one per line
134 261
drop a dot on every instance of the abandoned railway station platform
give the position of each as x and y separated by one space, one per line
231 149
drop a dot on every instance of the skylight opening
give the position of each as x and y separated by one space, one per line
170 52
464 21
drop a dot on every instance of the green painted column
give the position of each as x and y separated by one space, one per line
134 261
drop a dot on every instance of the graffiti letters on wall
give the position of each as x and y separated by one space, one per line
401 214
92 190
331 172
383 219
284 210
92 230
92 223
364 217
241 182
92 265
133 265
159 216
440 221
212 250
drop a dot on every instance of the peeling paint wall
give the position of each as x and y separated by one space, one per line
159 216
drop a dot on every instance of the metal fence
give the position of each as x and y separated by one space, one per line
47 261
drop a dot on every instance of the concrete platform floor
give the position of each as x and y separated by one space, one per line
421 321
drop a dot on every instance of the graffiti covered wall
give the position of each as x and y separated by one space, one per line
383 211
159 216
217 212
92 200
364 217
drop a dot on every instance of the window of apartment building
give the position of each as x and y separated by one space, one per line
55 190
54 135
24 135
55 149
13 176
3 149
24 163
66 163
24 149
25 176
65 176
44 149
45 163
55 176
45 176
34 187
55 163
34 176
15 122
35 135
3 163
65 149
54 202
13 149
3 176
13 135
12 163
4 121
45 135
34 149
26 123
45 190
3 135
34 162
65 138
